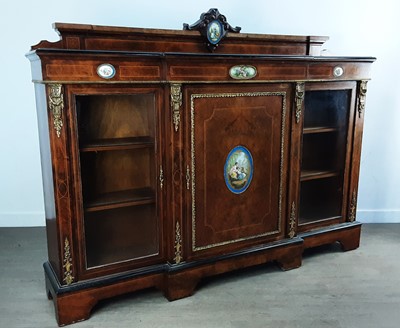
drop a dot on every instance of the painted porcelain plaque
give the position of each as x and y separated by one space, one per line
106 71
338 71
214 31
242 72
238 169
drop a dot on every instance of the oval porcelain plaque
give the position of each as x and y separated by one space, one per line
106 71
242 72
238 170
214 31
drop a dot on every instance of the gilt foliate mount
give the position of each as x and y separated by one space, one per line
213 26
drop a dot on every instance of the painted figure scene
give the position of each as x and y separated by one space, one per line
238 169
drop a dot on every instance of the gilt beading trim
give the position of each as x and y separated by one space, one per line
193 168
187 177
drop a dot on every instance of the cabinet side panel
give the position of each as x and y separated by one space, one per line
47 177
358 116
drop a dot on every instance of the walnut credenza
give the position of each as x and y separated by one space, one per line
169 156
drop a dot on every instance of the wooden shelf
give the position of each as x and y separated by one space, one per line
307 175
119 199
319 129
118 144
313 219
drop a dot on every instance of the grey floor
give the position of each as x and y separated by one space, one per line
360 288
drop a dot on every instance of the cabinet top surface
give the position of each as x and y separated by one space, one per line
71 28
211 33
96 38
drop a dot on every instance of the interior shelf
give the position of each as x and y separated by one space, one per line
321 199
122 198
118 144
317 174
317 218
319 129
121 234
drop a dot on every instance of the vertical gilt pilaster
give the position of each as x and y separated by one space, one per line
67 264
176 103
299 99
353 207
161 177
362 93
178 244
292 221
56 106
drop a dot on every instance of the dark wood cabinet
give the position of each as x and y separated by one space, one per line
169 156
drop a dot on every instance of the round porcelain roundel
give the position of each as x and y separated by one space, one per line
238 169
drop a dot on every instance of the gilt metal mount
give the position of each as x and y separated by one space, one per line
353 206
67 264
299 99
56 106
176 103
178 244
362 92
292 221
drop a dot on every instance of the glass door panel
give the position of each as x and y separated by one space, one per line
324 147
118 174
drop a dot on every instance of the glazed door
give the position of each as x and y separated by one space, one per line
118 146
236 157
326 151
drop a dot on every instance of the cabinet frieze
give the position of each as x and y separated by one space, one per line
61 71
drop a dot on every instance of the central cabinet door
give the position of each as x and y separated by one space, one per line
237 155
